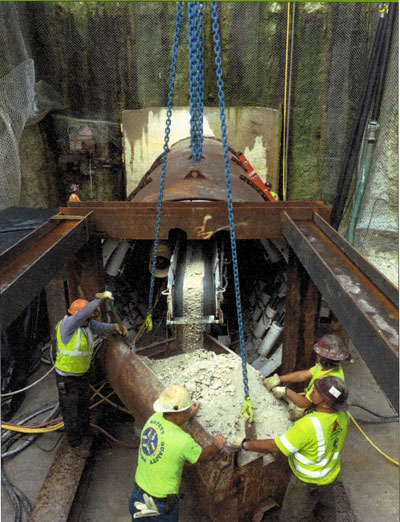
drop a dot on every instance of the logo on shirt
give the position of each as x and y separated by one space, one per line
149 441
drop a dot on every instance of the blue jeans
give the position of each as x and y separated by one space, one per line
137 495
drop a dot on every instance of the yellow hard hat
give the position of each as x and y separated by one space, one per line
172 400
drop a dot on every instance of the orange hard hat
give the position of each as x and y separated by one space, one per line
77 305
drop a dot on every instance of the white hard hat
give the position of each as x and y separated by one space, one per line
172 400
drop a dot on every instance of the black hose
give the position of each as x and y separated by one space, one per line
11 493
375 421
7 434
24 445
18 498
385 60
392 417
24 500
356 135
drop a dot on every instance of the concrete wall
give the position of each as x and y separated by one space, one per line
255 131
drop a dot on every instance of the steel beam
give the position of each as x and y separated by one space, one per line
56 306
302 310
359 296
198 219
38 258
59 488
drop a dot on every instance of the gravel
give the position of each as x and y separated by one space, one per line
217 382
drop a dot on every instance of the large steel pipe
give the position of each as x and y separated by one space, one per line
225 490
204 181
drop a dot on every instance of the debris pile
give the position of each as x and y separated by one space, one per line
217 382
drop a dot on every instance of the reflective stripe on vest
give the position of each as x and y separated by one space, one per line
76 355
298 457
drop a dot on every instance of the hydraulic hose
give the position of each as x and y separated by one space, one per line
373 126
11 493
385 60
393 461
355 138
392 417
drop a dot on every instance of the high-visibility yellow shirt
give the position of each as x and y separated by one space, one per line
313 446
317 372
164 449
76 355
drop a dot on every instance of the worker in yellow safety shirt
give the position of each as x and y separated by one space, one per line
312 445
163 450
75 346
268 184
74 193
330 351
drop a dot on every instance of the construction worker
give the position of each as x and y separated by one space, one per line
330 351
75 343
268 184
164 448
313 446
74 193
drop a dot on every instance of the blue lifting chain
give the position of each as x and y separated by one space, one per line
247 410
196 76
178 23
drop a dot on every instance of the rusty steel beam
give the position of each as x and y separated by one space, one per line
37 261
59 488
356 293
302 310
198 219
56 306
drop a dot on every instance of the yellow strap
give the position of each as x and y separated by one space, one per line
149 322
247 410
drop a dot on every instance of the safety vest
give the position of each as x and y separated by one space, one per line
313 446
317 372
75 356
74 197
274 195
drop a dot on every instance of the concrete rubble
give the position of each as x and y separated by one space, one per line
217 382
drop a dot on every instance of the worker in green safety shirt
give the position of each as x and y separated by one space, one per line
330 351
312 445
163 450
75 346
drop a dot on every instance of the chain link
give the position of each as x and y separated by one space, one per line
178 24
220 84
196 76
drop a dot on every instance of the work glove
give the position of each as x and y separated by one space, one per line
236 442
271 382
148 509
279 391
121 331
295 412
104 295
